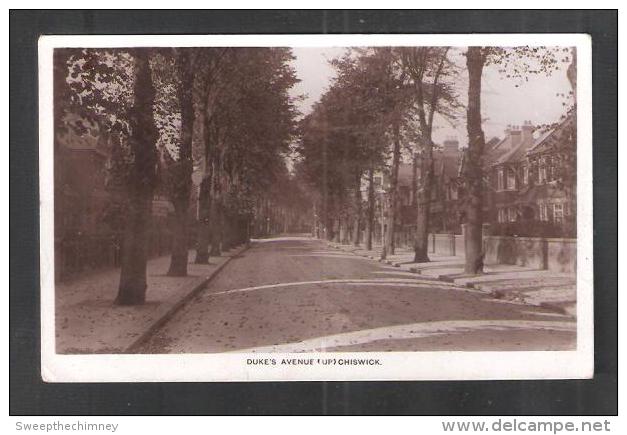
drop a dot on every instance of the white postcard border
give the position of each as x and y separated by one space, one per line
394 365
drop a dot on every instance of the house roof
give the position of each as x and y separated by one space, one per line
498 149
445 165
492 142
548 138
514 154
506 151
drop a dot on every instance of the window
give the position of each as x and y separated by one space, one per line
453 192
550 169
543 213
542 171
512 214
500 184
525 174
511 179
502 217
558 213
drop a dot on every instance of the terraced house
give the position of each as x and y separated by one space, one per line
532 182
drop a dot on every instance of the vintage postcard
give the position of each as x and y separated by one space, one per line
316 207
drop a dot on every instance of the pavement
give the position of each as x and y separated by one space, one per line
87 320
298 294
556 291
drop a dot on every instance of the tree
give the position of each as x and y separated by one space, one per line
334 158
389 82
141 182
430 73
248 124
209 65
180 170
348 134
475 61
515 62
111 93
392 203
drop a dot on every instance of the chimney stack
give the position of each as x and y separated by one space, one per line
527 132
515 135
451 145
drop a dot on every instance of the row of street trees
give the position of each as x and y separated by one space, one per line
218 117
382 105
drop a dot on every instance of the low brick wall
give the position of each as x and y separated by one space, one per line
558 255
444 244
431 243
460 245
562 255
522 251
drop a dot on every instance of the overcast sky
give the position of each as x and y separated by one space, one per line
502 102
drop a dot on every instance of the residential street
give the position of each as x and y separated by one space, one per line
295 294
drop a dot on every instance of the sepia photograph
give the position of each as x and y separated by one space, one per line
309 208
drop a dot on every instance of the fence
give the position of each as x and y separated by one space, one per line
79 254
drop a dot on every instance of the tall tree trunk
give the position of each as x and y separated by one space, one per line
420 61
216 228
203 236
205 194
204 231
370 227
358 200
388 247
314 229
132 287
227 230
182 182
179 257
342 227
473 170
423 204
330 229
216 208
414 180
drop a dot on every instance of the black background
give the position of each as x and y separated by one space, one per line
30 396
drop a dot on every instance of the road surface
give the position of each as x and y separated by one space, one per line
298 295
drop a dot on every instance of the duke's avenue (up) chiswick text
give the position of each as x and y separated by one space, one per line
314 361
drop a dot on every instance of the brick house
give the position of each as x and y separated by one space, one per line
531 190
88 213
445 215
507 174
445 208
530 185
552 168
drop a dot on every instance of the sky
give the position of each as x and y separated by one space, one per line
502 102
